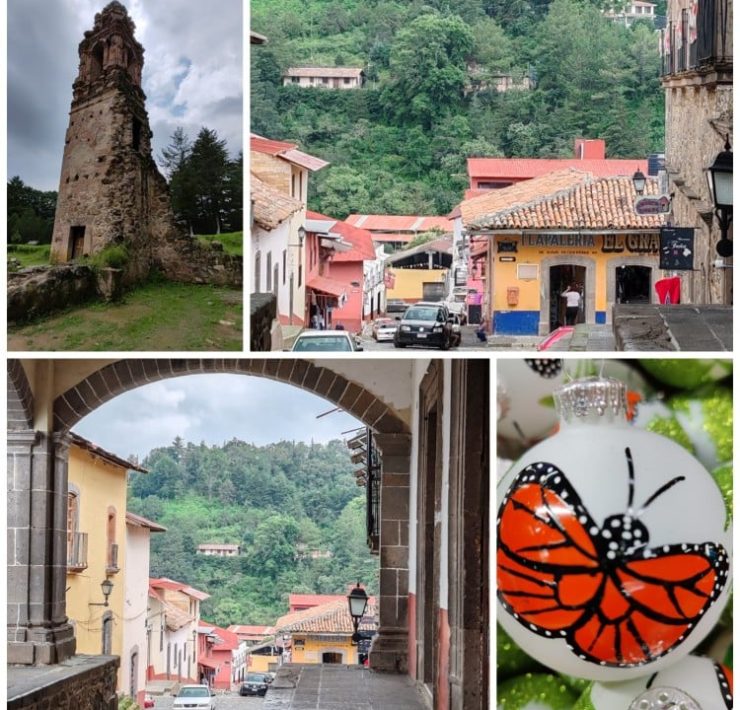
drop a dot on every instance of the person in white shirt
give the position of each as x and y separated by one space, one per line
572 304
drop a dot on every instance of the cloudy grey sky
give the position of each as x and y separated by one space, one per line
214 409
192 74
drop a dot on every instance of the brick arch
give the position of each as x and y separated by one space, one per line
20 398
124 375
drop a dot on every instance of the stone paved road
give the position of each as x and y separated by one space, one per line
231 701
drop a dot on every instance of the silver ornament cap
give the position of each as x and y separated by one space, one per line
592 398
663 699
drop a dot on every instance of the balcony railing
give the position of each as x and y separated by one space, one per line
685 47
76 552
112 565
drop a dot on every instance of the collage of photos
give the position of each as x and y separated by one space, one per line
426 405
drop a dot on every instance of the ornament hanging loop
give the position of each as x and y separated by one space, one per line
664 698
592 398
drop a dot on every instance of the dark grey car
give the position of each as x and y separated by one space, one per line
426 324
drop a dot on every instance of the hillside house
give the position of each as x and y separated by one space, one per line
324 77
633 11
218 549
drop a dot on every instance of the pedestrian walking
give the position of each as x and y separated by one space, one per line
572 303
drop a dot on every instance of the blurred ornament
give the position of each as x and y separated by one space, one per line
706 417
693 683
535 691
595 577
688 373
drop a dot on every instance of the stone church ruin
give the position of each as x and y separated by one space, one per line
111 193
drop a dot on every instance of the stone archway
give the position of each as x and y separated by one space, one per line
38 629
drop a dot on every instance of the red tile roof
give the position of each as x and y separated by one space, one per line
249 629
86 445
330 618
526 168
270 207
225 640
360 239
286 151
601 204
309 600
327 285
171 584
399 223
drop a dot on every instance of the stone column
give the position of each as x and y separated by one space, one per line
38 631
389 652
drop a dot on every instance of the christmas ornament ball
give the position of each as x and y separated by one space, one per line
600 528
694 683
689 373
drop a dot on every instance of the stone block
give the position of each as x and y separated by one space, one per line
394 504
388 582
396 557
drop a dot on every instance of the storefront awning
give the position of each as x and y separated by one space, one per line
208 663
327 285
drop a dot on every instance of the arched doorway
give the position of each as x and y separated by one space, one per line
633 284
562 277
38 439
332 657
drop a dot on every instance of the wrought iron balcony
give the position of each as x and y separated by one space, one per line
76 552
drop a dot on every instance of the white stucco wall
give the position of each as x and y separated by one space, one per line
136 585
180 639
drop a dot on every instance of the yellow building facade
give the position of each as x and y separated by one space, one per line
96 550
408 284
530 271
320 648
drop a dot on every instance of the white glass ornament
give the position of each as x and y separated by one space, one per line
613 560
526 386
694 683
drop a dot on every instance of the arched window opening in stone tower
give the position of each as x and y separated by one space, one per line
96 62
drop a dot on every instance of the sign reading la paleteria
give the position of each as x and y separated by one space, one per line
677 248
648 243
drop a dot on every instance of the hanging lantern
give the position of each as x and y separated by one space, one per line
613 559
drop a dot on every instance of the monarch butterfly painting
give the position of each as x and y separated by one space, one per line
614 599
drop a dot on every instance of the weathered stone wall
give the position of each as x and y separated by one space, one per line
40 290
262 313
80 683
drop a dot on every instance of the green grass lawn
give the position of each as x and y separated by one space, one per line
29 254
156 316
233 241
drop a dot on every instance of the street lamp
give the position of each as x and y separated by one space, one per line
357 599
106 586
639 180
301 235
720 185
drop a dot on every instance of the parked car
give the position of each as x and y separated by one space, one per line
254 684
384 328
325 340
195 696
395 305
148 702
425 323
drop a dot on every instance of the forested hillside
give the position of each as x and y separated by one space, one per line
279 502
400 144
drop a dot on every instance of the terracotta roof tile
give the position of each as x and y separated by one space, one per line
166 583
400 223
360 239
286 151
605 203
329 618
270 207
141 522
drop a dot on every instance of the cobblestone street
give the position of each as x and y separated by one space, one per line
232 701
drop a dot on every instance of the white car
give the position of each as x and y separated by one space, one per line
194 696
384 329
325 340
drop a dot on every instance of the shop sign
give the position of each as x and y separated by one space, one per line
649 205
633 243
677 248
506 247
559 240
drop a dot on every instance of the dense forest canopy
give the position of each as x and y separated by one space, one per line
279 502
400 144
